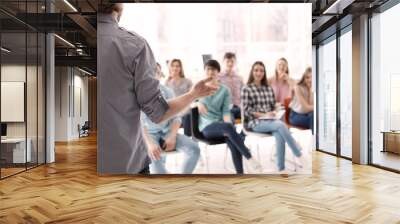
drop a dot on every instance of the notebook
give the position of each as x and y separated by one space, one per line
278 115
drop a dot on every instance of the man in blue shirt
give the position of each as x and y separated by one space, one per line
164 137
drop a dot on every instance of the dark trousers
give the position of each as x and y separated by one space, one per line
234 141
145 170
187 125
302 120
235 111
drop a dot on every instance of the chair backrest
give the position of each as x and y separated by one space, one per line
86 125
195 124
286 104
245 129
196 133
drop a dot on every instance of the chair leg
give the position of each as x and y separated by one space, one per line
206 155
258 151
201 161
272 154
176 161
294 158
226 159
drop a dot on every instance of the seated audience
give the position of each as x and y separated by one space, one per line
302 105
180 85
281 83
233 81
159 72
258 101
163 138
215 121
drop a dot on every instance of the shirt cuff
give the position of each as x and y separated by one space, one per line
156 108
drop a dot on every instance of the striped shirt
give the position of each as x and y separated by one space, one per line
256 99
235 83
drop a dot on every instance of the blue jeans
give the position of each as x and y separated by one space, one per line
282 136
302 120
234 141
184 144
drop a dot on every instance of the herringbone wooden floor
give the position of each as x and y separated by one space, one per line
70 191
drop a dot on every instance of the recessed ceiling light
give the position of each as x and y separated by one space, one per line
84 71
5 50
65 41
70 5
338 6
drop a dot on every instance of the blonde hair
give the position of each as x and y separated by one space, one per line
303 78
287 67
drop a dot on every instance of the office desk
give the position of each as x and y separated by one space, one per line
391 141
13 150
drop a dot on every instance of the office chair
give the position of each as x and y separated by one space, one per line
197 135
84 130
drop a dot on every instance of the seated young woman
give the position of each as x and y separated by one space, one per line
215 121
302 105
258 100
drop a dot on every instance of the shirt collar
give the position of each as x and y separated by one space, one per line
106 18
225 73
255 86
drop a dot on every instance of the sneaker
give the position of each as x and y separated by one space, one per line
283 173
255 165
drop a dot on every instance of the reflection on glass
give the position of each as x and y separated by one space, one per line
346 94
14 153
327 96
31 100
385 86
41 98
22 90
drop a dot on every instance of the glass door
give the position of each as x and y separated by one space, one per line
346 92
327 94
385 90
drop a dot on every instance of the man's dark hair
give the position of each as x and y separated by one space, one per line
229 55
106 7
213 64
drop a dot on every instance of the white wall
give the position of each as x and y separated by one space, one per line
252 31
70 83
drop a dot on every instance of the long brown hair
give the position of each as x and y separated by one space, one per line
264 81
182 74
302 81
287 67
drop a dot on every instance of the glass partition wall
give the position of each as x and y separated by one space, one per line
22 88
334 94
385 90
345 62
334 109
326 135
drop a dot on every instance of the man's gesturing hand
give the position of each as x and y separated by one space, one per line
204 88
